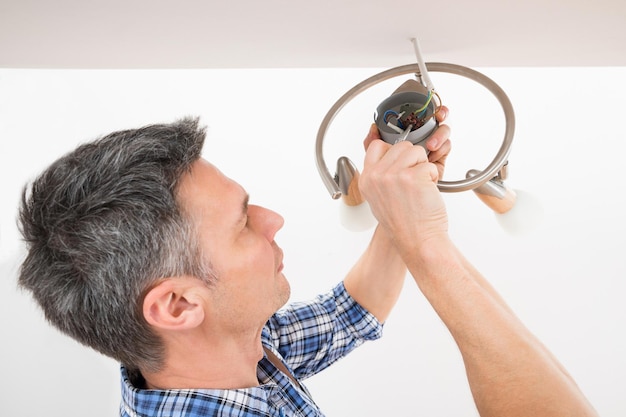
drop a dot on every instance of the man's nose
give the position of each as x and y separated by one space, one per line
270 222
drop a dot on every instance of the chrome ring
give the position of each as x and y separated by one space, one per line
447 186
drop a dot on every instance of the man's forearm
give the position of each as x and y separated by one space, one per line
510 372
376 280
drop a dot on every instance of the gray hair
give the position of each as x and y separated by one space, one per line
103 225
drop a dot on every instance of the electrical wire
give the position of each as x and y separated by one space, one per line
390 112
422 66
420 112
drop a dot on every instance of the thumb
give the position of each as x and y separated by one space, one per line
375 151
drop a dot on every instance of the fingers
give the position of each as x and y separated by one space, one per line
433 171
375 152
405 155
383 157
373 134
441 113
438 144
438 138
441 153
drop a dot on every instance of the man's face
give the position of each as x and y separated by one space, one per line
238 240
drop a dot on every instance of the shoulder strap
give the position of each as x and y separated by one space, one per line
281 366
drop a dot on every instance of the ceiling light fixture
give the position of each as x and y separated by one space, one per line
408 114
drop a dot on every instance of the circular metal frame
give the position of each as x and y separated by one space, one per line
447 186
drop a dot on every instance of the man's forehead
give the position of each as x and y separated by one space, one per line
206 185
203 173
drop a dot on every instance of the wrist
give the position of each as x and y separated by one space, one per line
429 255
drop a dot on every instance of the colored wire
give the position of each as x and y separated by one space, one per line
422 109
389 112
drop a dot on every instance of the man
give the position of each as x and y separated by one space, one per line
147 253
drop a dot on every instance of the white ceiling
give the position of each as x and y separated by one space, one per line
313 33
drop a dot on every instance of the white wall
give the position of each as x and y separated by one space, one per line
565 279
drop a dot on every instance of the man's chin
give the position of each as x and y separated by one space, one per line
284 292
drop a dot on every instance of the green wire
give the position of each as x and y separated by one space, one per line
421 109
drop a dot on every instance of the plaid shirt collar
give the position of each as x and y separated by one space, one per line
275 396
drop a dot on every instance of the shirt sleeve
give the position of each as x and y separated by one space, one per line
310 336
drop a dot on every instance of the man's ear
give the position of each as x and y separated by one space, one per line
174 303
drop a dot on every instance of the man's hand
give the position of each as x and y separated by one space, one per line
438 143
400 184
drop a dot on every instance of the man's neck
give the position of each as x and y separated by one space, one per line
225 363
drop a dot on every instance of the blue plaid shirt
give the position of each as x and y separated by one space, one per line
308 337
